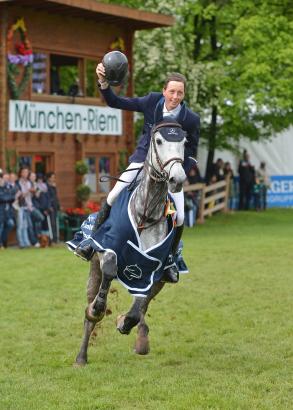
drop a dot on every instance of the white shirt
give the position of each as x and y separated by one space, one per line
172 113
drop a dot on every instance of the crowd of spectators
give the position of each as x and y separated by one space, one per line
247 190
29 203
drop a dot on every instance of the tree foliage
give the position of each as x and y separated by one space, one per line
237 56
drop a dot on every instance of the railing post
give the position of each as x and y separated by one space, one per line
201 206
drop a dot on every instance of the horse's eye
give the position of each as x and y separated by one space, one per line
159 141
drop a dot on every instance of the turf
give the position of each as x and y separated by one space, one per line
220 339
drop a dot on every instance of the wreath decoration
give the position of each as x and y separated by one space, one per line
24 57
118 44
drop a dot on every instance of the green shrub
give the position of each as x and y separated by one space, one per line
83 192
81 167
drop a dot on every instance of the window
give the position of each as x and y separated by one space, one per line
104 170
98 167
64 76
90 178
38 163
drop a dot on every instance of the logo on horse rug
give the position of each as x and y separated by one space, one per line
132 271
138 269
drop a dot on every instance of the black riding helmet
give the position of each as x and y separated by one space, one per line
116 67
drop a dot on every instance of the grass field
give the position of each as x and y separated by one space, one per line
220 339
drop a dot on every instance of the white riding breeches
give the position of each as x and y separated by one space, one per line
129 176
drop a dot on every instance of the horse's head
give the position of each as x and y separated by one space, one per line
166 153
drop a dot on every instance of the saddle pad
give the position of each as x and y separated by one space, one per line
137 269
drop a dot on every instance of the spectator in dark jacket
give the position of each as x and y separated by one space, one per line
54 206
7 195
246 181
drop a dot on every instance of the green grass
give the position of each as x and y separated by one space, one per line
220 339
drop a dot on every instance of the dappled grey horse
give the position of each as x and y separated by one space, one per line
150 213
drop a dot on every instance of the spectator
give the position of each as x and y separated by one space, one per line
264 180
8 194
246 181
54 206
217 173
228 173
2 208
37 216
191 202
25 231
256 193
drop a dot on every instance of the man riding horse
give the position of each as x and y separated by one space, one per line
154 106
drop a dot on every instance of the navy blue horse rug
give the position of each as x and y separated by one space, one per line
137 269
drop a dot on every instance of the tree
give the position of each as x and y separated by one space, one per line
237 56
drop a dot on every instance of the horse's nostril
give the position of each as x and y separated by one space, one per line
172 180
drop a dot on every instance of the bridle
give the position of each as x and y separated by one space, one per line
161 175
156 175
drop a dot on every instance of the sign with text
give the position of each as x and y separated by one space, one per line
280 193
30 116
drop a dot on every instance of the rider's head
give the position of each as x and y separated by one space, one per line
174 90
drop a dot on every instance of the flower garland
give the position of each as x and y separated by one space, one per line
23 57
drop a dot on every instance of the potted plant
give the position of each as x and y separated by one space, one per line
81 167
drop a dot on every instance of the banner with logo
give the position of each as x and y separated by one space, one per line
30 116
280 193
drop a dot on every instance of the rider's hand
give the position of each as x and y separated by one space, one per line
100 71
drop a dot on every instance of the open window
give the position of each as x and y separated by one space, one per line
65 75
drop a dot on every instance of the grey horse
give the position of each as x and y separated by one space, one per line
162 171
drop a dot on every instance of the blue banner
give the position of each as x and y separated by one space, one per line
280 193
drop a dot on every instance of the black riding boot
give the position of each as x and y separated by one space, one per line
85 250
171 273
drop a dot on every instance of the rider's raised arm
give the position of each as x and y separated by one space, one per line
124 103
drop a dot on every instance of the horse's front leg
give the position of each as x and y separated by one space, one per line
126 322
93 285
97 308
142 345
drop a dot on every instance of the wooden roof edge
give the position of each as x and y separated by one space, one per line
153 19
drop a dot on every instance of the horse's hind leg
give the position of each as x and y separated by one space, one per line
93 285
142 345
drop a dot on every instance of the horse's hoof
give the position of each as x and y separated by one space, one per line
126 323
80 362
120 323
142 346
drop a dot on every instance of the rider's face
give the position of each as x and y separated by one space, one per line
174 94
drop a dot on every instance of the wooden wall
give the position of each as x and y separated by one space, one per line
71 36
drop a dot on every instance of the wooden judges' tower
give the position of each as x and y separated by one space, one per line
51 113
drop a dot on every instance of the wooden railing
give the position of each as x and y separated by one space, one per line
213 197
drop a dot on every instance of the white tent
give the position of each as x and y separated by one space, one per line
278 156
